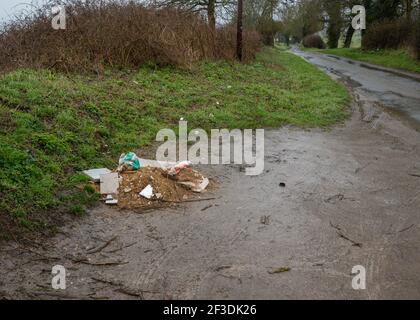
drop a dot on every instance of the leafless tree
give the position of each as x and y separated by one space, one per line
207 7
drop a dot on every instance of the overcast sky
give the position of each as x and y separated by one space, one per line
8 7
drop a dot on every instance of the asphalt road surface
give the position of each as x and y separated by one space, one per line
402 93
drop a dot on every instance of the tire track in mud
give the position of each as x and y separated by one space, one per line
146 278
151 277
211 271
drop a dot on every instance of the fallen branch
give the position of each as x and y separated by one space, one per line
123 289
110 263
84 260
114 283
414 175
356 244
61 295
145 209
122 247
405 229
131 293
190 200
338 196
207 207
100 248
41 255
342 235
335 226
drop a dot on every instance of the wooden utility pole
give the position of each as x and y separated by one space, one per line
239 31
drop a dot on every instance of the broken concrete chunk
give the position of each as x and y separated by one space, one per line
196 186
111 202
147 192
109 183
94 174
203 185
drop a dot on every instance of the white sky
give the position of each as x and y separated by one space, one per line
6 7
10 7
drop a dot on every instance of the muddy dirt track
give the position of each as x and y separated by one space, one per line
351 197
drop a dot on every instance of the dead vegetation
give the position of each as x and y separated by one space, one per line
116 34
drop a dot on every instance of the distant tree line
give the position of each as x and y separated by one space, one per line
257 14
293 20
301 18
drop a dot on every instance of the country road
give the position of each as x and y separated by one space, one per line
351 196
402 93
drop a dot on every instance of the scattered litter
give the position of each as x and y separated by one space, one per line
109 183
178 167
280 270
147 192
94 174
128 161
335 197
155 184
265 220
111 202
156 164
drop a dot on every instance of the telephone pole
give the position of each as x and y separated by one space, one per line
239 31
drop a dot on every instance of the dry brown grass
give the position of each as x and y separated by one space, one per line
117 34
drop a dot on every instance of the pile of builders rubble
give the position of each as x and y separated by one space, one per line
141 183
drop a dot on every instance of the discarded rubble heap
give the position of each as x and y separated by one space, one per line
142 183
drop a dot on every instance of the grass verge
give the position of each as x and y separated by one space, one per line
53 126
397 59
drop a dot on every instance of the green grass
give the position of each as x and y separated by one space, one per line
398 59
53 126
